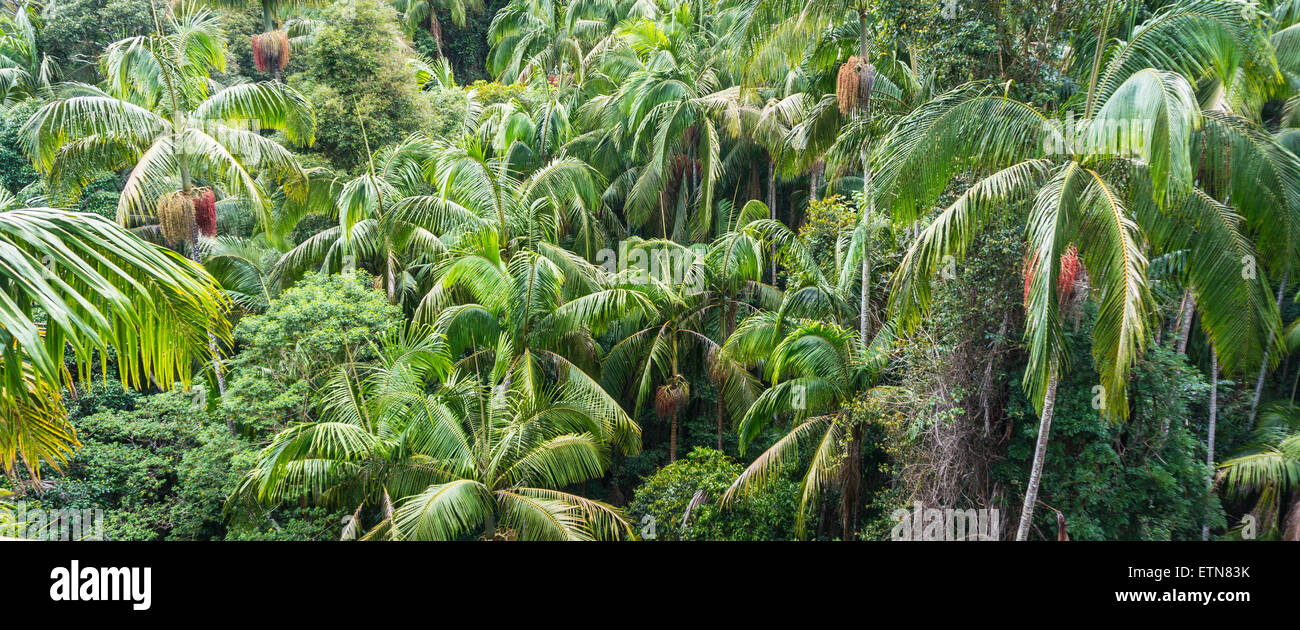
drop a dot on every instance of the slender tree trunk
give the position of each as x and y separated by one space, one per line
850 485
729 310
1184 325
719 419
1291 526
217 370
1214 420
1185 315
435 29
672 438
864 51
1263 365
490 526
390 276
864 308
771 205
814 179
1040 454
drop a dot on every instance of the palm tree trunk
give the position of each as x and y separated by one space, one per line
435 29
390 277
814 179
217 370
719 419
1187 312
672 438
865 306
1040 454
864 51
730 325
1214 419
1291 526
771 205
1263 365
268 25
850 485
490 526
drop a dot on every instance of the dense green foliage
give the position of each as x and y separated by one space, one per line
355 75
286 352
664 498
726 270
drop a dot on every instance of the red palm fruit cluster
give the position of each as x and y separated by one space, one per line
1070 268
270 51
205 211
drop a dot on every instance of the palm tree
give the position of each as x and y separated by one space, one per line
156 117
100 291
372 230
541 38
475 457
420 200
416 13
25 72
814 369
734 272
654 344
555 202
546 303
670 90
1268 469
1112 202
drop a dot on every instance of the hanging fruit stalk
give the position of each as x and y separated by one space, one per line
270 51
853 84
1070 268
205 211
176 218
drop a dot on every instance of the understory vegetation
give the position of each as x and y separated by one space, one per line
650 269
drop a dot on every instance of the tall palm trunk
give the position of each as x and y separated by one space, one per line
268 25
864 51
1040 454
672 424
1263 365
1291 526
1214 419
435 29
771 205
1186 313
672 438
217 370
851 484
390 277
814 179
490 526
865 306
730 314
719 418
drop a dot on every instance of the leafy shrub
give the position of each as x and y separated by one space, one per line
665 495
355 69
157 470
318 323
492 93
15 169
